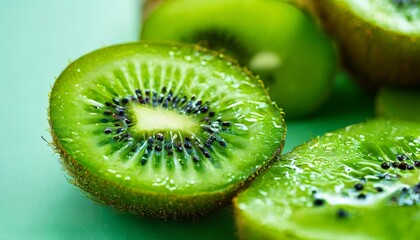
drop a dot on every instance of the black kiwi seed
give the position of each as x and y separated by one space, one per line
379 189
125 100
417 164
319 202
121 112
195 159
107 112
395 164
226 124
385 165
222 143
361 196
403 166
116 101
416 188
178 147
341 213
159 136
401 157
108 130
410 167
358 187
188 145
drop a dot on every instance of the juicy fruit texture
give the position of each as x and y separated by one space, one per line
274 39
379 39
162 129
400 103
360 182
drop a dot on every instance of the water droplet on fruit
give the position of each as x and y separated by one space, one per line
240 126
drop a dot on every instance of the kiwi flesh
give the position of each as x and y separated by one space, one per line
274 39
400 103
162 129
360 182
379 39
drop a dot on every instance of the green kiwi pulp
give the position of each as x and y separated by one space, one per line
274 39
360 182
162 129
400 103
379 39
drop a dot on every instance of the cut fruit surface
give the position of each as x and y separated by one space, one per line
161 128
274 39
360 182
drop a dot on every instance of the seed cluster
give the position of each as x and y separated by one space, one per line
117 112
402 162
406 196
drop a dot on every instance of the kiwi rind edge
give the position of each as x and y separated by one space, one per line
374 55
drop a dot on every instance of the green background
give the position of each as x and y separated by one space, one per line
38 39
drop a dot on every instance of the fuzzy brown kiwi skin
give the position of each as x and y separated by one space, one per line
374 55
124 199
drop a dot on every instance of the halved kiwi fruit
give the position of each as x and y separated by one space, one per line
360 182
379 39
400 103
274 39
162 129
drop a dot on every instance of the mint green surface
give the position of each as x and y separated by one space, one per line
37 41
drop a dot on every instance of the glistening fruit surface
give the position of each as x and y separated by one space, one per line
165 129
360 182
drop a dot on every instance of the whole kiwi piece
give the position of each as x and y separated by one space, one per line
398 102
360 182
162 129
379 39
272 38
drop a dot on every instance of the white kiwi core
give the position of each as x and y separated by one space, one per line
155 119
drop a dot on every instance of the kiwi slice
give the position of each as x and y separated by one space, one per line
360 182
272 38
379 39
162 129
401 103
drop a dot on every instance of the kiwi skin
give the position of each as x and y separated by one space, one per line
374 55
141 202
